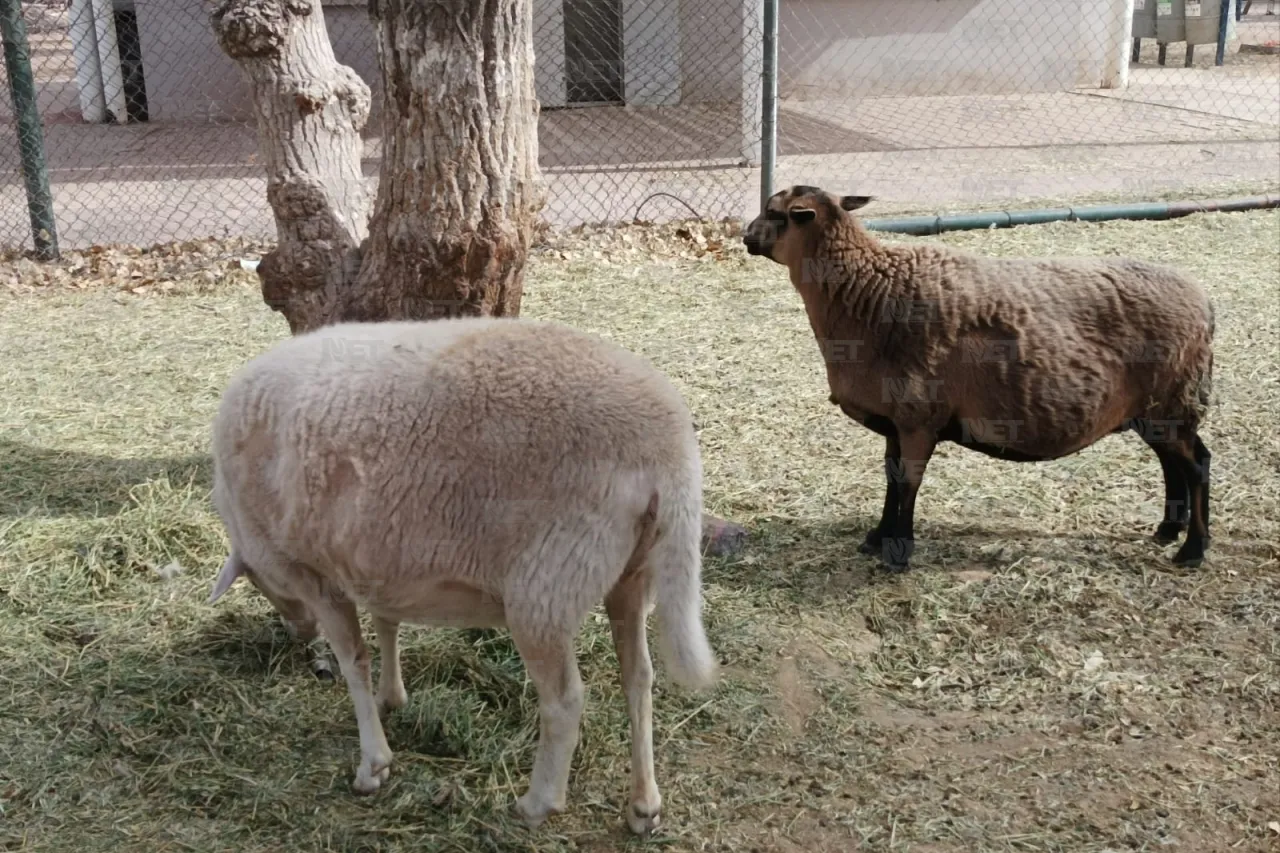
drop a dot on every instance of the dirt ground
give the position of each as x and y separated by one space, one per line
1042 680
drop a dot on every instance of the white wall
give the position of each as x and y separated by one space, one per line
721 59
548 53
650 51
694 51
189 78
829 48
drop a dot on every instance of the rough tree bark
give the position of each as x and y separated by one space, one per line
310 111
459 190
451 230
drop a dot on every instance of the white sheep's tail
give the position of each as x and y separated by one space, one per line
232 570
675 563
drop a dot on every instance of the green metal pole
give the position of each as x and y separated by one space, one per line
920 225
769 116
35 167
1223 12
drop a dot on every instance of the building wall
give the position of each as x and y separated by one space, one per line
867 48
651 51
692 51
548 53
722 49
189 78
714 38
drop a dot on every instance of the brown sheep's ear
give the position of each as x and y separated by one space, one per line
802 215
853 202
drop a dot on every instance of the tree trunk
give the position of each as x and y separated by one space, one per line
310 111
459 190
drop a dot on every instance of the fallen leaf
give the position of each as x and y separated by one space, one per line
1094 662
170 571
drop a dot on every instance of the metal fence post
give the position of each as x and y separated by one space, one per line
35 168
1223 22
769 117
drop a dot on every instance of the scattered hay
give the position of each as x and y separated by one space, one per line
1044 680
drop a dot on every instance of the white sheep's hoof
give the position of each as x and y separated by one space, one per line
395 698
304 632
642 820
533 811
369 780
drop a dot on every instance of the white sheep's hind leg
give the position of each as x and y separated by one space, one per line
341 626
391 692
547 651
627 607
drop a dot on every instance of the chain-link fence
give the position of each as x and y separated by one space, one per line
651 109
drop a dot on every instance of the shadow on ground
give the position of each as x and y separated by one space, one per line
45 481
819 560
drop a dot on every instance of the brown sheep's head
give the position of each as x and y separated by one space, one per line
778 233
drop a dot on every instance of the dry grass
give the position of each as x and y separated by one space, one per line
1043 681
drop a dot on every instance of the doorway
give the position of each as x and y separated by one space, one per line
593 51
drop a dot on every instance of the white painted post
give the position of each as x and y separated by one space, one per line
84 48
1115 62
104 25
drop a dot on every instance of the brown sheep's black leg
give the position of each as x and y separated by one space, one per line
1177 509
1202 456
896 549
889 513
1195 465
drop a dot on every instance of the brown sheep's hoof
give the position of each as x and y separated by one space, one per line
872 543
1168 532
1189 556
895 554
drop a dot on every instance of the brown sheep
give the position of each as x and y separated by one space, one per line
1019 359
473 472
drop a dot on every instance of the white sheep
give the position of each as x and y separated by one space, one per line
1021 359
473 472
